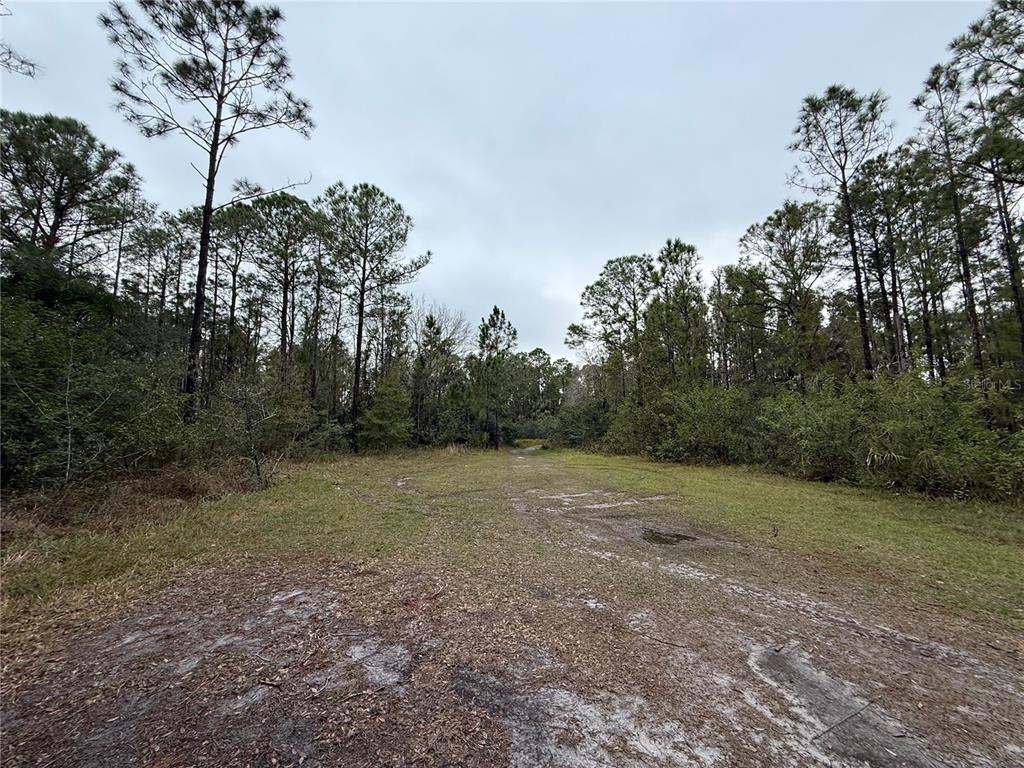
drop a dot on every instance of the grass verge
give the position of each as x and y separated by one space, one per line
349 506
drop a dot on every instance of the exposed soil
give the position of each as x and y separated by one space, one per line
654 536
590 628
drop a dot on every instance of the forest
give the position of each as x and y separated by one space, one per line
265 505
870 330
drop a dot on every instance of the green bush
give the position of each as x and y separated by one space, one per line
74 407
953 438
901 432
819 434
708 422
537 428
580 425
386 424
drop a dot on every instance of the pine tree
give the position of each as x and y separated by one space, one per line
386 424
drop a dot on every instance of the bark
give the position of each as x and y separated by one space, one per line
862 316
211 364
909 338
195 338
883 295
1012 261
929 342
232 334
314 346
335 354
358 363
117 263
963 254
284 318
902 355
939 310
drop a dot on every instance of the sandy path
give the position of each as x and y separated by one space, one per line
588 628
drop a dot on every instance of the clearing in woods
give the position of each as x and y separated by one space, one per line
523 608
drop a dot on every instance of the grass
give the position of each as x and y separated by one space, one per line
438 504
966 555
346 507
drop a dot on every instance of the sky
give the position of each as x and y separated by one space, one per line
530 142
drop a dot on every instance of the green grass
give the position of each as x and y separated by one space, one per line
439 504
348 507
968 555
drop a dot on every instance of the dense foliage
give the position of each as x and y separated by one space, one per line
871 331
307 342
262 326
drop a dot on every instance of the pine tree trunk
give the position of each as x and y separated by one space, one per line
358 363
195 338
883 295
314 347
964 256
285 292
862 315
1012 262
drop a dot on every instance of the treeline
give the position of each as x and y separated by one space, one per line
872 331
308 341
262 326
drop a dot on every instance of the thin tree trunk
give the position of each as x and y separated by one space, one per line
232 334
314 347
902 355
195 338
163 295
995 354
117 264
358 363
1012 262
964 256
177 288
939 309
211 358
284 319
862 316
929 343
292 281
904 322
883 294
335 355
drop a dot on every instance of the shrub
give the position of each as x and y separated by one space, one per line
902 432
819 434
580 425
386 424
707 422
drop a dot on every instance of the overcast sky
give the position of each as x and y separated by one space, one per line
530 142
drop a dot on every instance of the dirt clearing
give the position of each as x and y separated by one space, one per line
534 618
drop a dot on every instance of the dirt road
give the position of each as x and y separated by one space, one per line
579 626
